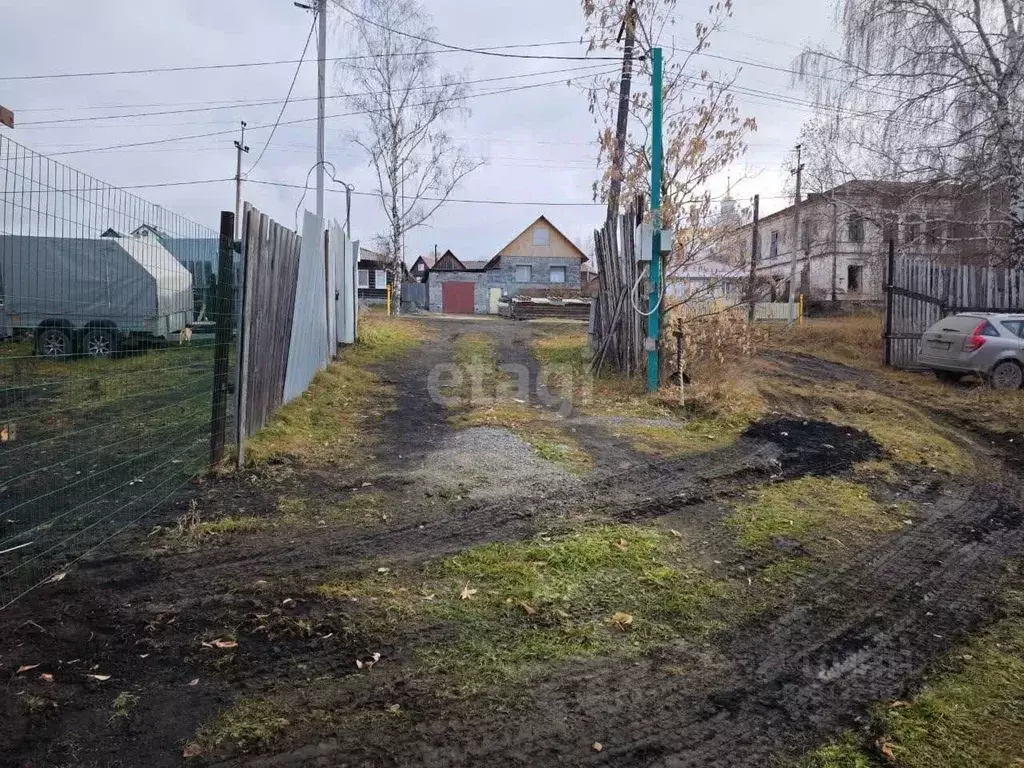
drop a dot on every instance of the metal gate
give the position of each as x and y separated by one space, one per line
920 292
414 294
458 298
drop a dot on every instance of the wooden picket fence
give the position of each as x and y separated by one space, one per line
920 292
268 307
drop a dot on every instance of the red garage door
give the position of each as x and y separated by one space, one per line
457 298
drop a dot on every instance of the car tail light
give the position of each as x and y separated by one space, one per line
975 341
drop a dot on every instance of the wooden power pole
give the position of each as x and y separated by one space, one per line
628 31
754 247
797 240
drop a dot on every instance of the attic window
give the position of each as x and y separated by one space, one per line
541 235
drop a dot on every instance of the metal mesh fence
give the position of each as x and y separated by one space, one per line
108 307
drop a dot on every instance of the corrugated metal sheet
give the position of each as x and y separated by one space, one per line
307 353
342 254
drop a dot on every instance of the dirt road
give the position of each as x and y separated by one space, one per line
180 630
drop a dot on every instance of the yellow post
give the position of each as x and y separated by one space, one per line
801 309
389 299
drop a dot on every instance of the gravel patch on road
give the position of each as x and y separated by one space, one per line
490 463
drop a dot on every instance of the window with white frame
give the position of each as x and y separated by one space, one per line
556 275
524 273
380 279
364 278
541 235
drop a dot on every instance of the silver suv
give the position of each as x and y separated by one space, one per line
988 345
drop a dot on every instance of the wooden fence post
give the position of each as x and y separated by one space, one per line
250 262
222 345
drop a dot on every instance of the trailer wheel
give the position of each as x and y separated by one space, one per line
53 342
99 343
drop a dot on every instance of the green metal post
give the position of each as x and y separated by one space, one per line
654 304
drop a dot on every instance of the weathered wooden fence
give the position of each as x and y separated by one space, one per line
618 329
271 257
921 292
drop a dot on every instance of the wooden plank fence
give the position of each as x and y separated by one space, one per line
268 308
618 329
921 292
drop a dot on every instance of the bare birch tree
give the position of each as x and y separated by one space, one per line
931 90
407 104
704 132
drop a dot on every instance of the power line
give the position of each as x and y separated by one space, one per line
168 139
460 49
279 62
435 199
261 103
288 96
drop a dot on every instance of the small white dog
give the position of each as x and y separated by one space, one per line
185 337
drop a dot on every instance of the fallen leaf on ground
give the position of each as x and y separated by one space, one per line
886 749
26 668
621 544
597 746
288 601
676 533
225 644
192 750
56 577
467 593
428 597
368 664
194 682
622 621
383 570
46 677
530 610
395 708
899 705
101 678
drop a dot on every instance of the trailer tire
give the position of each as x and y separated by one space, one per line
54 342
99 343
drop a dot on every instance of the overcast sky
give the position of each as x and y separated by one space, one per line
538 143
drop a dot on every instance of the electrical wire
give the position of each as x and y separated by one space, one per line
435 199
266 102
168 139
278 62
284 106
460 49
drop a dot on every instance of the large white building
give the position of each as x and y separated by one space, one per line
841 251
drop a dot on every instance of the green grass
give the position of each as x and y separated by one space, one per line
333 421
970 711
494 611
249 724
487 398
845 754
817 512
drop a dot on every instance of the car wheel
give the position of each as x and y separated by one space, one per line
99 343
53 342
1007 375
950 377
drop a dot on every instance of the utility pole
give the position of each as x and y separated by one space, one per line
754 248
654 301
622 122
241 148
320 105
796 244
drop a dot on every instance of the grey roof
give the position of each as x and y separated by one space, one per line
477 264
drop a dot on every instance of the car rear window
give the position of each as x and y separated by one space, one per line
1015 327
963 324
988 330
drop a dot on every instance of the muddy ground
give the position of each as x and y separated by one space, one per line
858 629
